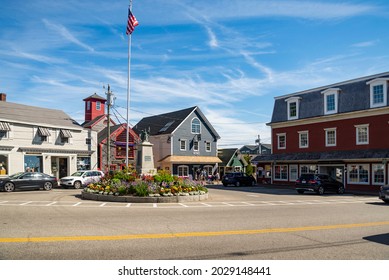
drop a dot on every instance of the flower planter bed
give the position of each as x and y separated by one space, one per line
146 199
126 186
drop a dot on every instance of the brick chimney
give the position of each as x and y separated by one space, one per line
3 97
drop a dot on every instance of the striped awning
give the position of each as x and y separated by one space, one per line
43 131
65 133
4 126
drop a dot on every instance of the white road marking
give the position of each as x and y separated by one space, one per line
28 202
51 204
78 203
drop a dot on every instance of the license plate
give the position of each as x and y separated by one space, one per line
303 181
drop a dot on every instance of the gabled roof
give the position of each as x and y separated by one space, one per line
353 96
95 96
225 155
91 123
102 135
167 123
19 113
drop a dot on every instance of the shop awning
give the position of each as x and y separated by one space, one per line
65 133
4 126
43 131
191 159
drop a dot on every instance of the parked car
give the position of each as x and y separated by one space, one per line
238 179
384 193
319 183
28 180
81 178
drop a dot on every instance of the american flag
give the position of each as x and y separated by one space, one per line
131 22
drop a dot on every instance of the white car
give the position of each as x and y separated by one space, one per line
81 178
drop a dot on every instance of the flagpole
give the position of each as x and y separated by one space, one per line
128 90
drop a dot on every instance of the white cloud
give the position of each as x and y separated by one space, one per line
66 34
366 44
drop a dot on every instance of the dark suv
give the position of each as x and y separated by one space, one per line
319 183
238 179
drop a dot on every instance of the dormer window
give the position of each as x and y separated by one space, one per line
293 104
331 100
378 92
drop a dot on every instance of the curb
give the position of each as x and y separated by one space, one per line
136 199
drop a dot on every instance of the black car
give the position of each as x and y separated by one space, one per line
319 183
238 179
28 180
384 193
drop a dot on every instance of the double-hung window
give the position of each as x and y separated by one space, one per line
293 104
378 92
183 145
331 100
330 137
362 134
303 139
281 141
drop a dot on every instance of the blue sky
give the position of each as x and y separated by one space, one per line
229 57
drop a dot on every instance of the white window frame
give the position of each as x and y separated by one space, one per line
183 141
378 82
98 105
293 176
182 170
373 172
290 101
88 105
357 132
359 182
208 146
329 92
279 135
301 133
196 143
327 130
281 173
195 131
310 169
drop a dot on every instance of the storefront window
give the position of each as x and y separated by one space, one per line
33 163
378 174
83 163
304 169
358 174
183 171
3 165
281 172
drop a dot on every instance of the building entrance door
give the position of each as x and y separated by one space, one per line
63 167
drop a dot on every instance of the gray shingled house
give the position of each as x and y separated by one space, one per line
184 141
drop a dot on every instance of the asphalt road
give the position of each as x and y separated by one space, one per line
234 223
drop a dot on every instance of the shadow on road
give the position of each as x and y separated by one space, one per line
380 238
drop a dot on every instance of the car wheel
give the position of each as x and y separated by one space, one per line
320 190
9 187
386 201
47 186
77 184
237 184
225 185
300 191
340 190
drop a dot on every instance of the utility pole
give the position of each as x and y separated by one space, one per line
109 104
259 144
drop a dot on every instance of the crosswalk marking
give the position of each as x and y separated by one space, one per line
208 204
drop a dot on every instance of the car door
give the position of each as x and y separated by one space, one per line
26 181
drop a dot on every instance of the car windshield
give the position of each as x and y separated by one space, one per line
78 173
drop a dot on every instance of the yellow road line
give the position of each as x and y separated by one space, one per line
185 234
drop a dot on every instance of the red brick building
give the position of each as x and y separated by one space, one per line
340 129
